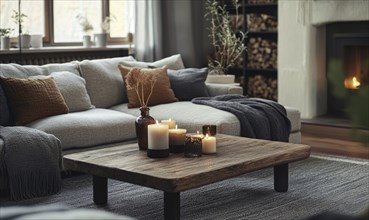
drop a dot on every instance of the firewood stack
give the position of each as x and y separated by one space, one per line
262 87
261 22
261 1
262 53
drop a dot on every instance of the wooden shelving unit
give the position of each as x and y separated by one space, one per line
271 35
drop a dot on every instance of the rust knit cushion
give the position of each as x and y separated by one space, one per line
162 92
32 99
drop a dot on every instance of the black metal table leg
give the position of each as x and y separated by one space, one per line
172 202
281 178
100 190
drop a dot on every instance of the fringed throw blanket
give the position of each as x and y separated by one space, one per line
259 118
31 160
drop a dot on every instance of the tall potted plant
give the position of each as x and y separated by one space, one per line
24 39
5 39
227 46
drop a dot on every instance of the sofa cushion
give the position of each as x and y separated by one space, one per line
104 82
294 115
188 83
190 116
32 99
73 89
161 92
173 62
88 128
25 71
5 118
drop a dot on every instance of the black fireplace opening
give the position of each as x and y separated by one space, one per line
347 43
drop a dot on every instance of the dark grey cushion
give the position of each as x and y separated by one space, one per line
5 118
188 83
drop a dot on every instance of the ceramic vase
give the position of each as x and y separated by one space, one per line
142 122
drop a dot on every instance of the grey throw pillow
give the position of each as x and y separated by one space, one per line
189 83
73 90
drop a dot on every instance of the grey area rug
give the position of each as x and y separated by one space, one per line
317 184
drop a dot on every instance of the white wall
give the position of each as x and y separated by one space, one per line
301 50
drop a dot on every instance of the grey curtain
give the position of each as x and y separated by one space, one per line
168 27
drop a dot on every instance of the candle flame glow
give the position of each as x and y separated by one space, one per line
198 132
207 136
176 126
157 122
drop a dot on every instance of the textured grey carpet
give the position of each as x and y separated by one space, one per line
316 185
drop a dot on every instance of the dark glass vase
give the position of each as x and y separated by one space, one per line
142 122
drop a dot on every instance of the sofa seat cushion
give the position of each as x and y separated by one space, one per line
88 128
190 116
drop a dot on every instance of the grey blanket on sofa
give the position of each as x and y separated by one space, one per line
31 161
259 118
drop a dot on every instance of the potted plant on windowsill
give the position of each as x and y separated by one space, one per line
227 46
24 39
86 28
101 39
5 39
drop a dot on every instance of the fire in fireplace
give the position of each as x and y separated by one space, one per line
347 43
356 66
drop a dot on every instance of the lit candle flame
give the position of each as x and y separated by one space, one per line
157 122
207 136
198 132
176 126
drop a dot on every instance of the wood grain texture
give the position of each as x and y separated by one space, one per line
235 156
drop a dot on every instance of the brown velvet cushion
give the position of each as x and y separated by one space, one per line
32 99
162 92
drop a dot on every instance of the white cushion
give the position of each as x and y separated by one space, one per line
104 82
173 62
88 128
73 89
190 116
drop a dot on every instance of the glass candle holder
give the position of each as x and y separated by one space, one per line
193 145
211 130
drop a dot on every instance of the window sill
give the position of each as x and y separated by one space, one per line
56 49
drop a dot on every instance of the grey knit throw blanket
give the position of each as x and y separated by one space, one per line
259 118
31 160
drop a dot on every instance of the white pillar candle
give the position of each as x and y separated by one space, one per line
177 136
209 145
158 136
170 122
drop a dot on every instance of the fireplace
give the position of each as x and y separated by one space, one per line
348 44
303 51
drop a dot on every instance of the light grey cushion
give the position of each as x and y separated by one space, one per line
223 89
188 83
173 62
190 116
25 71
73 89
88 128
104 82
295 137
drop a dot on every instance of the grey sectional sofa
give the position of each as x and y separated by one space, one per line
109 120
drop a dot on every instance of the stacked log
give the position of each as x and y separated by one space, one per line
261 22
262 87
262 53
252 2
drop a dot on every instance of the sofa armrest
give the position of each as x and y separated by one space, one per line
223 89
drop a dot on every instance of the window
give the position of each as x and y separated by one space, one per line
34 23
56 19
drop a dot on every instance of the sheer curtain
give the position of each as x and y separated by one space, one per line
168 27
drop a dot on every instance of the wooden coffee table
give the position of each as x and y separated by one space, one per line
235 156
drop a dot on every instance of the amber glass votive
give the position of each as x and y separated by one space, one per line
193 145
211 130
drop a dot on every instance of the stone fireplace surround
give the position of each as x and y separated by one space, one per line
302 49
